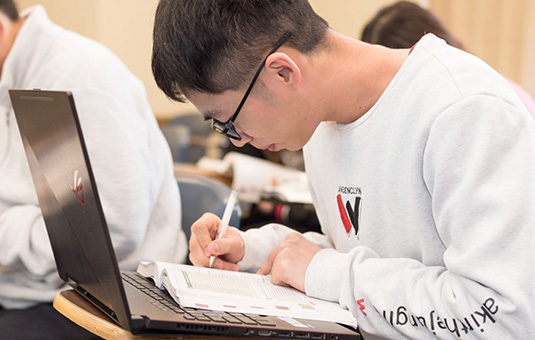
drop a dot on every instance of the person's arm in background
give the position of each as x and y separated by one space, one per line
133 169
24 241
478 166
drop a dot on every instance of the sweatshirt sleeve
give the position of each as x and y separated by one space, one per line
24 241
259 242
479 166
125 162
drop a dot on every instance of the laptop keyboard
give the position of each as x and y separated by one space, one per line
163 301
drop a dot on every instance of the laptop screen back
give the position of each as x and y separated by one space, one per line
67 194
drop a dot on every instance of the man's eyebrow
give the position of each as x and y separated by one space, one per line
211 114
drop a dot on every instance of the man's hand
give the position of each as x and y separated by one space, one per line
288 262
229 248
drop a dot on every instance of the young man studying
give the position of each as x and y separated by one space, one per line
421 164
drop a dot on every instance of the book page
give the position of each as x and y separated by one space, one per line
247 286
248 293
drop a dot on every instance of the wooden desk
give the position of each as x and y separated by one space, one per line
192 169
78 310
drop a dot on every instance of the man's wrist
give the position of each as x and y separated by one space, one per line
247 261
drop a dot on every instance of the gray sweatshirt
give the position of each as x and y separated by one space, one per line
427 205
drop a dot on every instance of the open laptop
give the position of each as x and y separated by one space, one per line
85 259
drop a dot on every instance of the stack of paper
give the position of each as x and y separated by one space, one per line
255 178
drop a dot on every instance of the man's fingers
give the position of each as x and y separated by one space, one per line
266 267
205 229
198 258
220 264
276 280
201 237
222 246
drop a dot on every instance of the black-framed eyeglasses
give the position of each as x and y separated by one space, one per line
227 128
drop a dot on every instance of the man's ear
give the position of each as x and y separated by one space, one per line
283 68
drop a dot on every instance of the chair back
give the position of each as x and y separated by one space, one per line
178 137
200 194
187 135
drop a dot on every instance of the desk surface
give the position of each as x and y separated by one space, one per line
78 310
192 169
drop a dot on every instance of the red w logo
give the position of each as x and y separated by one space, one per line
351 216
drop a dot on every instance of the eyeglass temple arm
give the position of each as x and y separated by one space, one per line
279 43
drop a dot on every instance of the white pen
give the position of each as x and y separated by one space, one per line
225 220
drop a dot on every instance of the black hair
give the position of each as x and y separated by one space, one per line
9 8
215 45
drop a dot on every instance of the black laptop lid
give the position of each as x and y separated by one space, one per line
68 197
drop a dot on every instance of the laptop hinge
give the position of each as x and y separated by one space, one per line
139 322
71 282
95 302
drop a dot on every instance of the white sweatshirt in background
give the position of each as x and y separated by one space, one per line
427 205
129 156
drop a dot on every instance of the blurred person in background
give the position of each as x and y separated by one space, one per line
403 23
129 157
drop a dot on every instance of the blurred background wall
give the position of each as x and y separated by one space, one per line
501 32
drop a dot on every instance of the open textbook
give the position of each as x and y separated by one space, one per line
229 291
255 178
